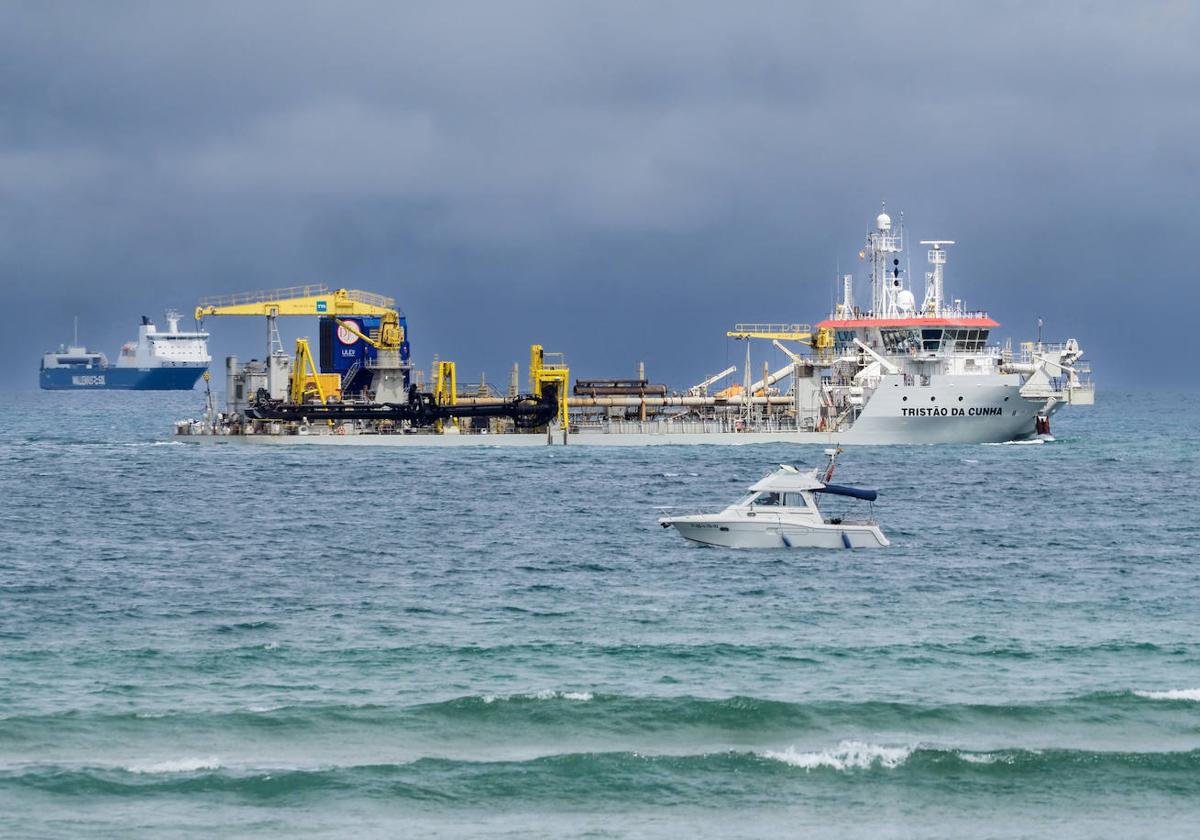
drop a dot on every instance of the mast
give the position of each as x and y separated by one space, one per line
934 291
845 309
882 245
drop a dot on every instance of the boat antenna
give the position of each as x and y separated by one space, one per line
76 331
832 453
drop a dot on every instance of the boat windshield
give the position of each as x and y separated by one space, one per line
768 499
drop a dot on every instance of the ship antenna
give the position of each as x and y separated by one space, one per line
76 331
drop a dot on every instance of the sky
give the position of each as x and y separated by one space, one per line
621 182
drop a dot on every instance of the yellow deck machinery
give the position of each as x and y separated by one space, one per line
317 301
313 396
550 376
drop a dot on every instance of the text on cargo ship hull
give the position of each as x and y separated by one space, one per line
933 411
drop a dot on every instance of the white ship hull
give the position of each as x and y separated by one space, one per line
913 415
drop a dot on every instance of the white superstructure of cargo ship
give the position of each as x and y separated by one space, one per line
170 360
900 370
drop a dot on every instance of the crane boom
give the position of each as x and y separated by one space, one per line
314 300
300 300
702 388
786 332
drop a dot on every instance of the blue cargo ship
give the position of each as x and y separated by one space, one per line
157 361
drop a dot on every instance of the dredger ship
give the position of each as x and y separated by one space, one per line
899 371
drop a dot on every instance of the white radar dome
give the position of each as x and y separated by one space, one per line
905 301
883 221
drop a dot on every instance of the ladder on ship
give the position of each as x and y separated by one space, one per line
348 376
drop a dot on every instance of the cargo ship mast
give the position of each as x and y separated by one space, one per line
889 297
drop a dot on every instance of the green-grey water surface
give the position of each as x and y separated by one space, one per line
241 641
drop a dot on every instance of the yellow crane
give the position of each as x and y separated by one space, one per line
782 332
821 341
311 301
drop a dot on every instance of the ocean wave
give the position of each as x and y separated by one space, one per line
181 765
1171 694
847 755
543 694
584 778
580 711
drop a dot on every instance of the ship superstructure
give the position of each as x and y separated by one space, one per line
898 372
929 372
170 360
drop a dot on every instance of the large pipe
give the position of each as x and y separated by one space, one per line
762 384
634 402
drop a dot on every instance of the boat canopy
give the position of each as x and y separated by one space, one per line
843 490
787 480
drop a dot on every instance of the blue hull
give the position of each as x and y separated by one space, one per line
120 379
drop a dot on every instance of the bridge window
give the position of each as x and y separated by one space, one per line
900 340
931 339
962 340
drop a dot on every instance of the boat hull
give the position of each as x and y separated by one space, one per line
116 378
741 534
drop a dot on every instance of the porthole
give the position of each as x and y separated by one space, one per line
933 399
1006 399
960 399
904 399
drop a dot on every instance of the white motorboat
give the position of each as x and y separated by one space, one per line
781 511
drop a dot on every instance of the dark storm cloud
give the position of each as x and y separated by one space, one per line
619 181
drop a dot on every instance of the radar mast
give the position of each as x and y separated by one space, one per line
886 286
933 279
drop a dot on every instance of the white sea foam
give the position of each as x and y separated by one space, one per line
1172 694
550 694
848 755
544 694
182 765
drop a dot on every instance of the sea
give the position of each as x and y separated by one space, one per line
230 641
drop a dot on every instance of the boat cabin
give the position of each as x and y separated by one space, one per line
788 491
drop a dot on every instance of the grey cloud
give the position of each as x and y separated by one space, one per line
620 180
